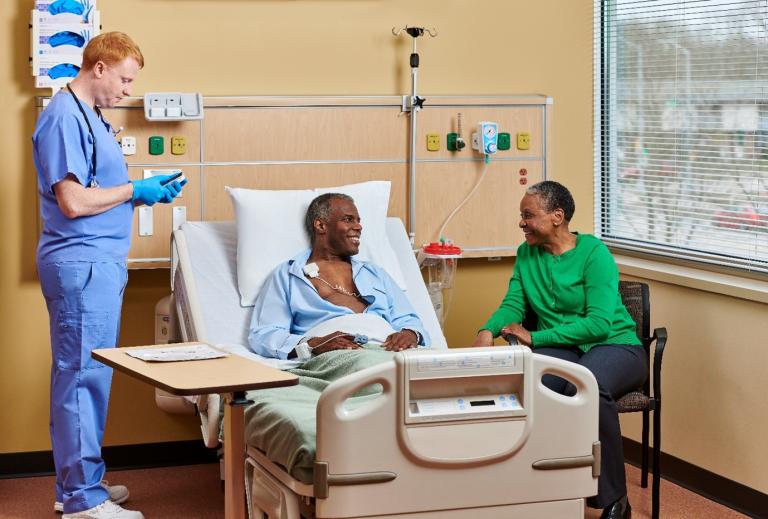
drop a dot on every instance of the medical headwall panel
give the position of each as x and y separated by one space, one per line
299 176
266 142
317 133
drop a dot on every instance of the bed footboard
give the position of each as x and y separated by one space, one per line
459 429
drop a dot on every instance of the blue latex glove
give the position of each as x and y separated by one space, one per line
63 70
151 190
66 38
67 6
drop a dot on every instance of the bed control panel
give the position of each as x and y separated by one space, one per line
480 406
465 384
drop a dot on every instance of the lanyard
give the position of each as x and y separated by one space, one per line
92 182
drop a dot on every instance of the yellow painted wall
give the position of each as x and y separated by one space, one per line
714 382
714 409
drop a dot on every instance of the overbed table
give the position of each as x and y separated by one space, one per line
232 375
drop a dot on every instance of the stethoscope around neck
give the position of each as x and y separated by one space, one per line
92 182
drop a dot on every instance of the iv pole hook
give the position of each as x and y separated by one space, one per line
415 32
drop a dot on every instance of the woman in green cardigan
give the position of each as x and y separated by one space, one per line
571 282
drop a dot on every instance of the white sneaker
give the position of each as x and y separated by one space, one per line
106 510
117 494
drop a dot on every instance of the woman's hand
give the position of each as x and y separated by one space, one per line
517 331
484 338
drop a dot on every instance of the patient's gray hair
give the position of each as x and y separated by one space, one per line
320 208
554 195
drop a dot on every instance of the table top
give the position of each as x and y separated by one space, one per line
196 377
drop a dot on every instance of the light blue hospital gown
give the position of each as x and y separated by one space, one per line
288 306
81 264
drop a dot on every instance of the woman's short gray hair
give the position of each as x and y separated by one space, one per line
320 208
554 195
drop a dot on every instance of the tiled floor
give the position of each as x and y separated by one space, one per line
676 502
194 492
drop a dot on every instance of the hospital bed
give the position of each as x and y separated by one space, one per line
451 433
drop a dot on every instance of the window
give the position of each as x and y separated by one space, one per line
681 129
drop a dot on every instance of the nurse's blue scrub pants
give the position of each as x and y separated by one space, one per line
84 302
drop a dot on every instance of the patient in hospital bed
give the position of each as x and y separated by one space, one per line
336 314
324 300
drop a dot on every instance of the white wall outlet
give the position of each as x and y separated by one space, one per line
179 216
146 227
128 145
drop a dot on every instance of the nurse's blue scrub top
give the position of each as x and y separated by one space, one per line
62 145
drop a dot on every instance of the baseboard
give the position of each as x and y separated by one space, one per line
703 482
117 457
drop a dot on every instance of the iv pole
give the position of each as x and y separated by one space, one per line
413 105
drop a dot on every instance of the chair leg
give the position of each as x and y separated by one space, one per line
645 447
656 455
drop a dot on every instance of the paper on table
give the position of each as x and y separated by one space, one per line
178 353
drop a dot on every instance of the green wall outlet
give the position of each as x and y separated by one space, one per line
156 146
505 141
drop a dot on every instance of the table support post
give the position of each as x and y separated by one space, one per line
234 456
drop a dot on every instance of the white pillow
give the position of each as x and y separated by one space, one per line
270 230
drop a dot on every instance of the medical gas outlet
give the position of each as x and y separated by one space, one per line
178 145
433 142
523 141
454 140
486 139
128 145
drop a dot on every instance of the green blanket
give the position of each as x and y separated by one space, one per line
281 421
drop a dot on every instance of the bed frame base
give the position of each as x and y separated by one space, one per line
268 496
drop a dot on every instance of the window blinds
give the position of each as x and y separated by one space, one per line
681 129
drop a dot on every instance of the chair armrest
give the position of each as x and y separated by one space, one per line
660 336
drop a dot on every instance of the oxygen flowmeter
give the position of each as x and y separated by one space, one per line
439 259
486 139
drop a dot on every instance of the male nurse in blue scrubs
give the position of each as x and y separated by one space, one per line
86 202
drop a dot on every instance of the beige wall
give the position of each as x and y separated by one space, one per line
714 409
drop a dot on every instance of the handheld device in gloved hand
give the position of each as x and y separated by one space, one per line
178 176
173 187
158 188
